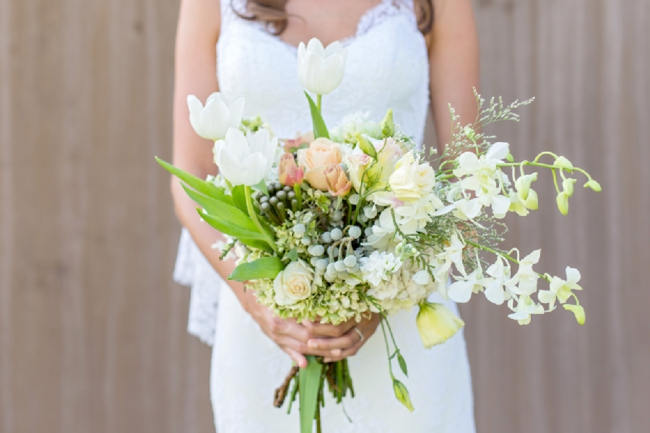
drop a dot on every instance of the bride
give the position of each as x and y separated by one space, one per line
402 54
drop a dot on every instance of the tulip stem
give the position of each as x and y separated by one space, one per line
251 213
319 103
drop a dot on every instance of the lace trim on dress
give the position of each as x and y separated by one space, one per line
374 16
193 270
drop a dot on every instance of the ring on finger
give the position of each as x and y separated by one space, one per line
361 336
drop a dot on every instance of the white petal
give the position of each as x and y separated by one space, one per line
500 206
494 292
572 275
460 291
498 151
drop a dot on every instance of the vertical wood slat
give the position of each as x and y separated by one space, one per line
91 328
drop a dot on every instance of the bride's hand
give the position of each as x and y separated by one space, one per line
290 336
341 341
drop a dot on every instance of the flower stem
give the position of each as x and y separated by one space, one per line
319 103
251 213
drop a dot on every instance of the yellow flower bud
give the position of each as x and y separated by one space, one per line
436 324
562 201
595 186
567 186
577 311
531 201
564 163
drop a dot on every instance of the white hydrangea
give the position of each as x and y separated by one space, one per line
379 266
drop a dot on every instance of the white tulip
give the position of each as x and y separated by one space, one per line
213 120
321 69
245 159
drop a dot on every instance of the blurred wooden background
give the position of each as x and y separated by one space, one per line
92 330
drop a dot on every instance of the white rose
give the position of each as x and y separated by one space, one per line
411 181
293 283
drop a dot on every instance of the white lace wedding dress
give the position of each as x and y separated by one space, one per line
386 68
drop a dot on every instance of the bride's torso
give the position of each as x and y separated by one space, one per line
386 67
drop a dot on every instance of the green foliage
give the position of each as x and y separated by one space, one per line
320 129
309 384
266 267
203 186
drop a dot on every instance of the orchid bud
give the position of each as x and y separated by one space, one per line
593 185
567 186
563 163
562 201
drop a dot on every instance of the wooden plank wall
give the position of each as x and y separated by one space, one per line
91 328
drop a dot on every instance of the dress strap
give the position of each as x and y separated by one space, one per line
230 10
386 9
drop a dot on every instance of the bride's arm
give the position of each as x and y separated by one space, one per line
195 73
454 64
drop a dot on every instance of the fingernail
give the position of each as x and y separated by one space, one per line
312 344
336 352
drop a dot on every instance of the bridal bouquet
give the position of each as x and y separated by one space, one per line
345 222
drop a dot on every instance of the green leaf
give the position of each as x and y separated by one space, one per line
309 383
227 228
402 364
402 394
292 255
239 198
320 129
266 267
203 186
222 211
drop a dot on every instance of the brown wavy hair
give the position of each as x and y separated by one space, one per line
273 14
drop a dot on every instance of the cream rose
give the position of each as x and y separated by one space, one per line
318 157
411 181
293 283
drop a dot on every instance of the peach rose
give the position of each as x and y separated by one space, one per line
338 183
289 173
321 154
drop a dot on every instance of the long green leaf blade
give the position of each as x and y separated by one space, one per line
309 382
239 198
229 229
320 129
266 267
222 211
196 183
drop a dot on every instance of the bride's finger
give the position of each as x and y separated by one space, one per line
302 348
298 358
328 330
345 342
344 354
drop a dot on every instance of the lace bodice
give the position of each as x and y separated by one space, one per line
386 68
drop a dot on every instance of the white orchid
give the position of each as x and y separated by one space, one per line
561 289
461 290
213 120
525 198
499 272
245 159
524 282
524 308
320 69
481 176
453 253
